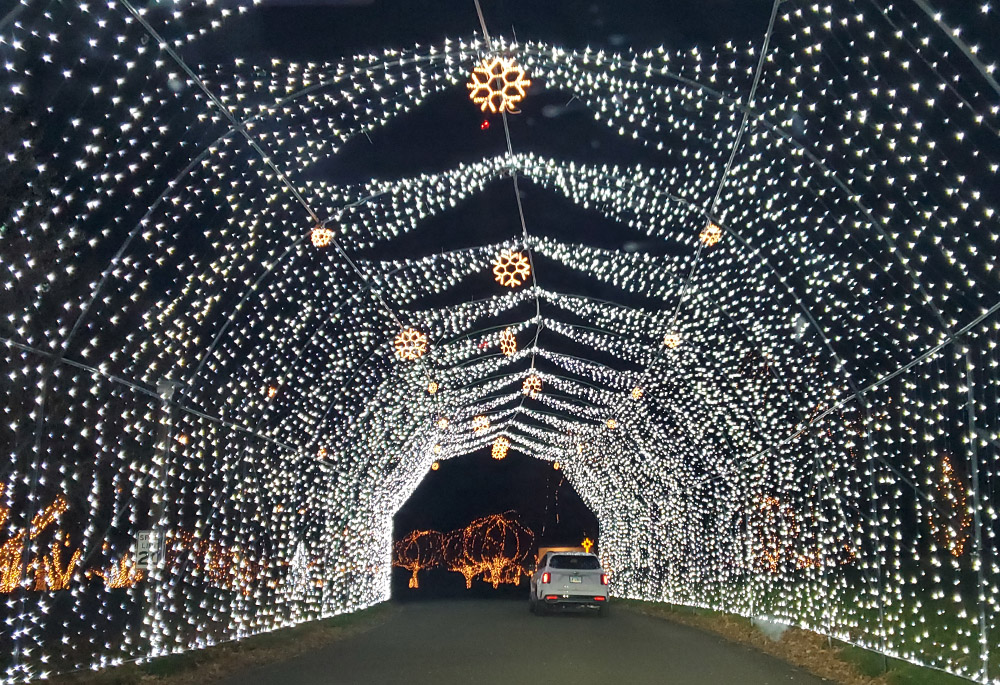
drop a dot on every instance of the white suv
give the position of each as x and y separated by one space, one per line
572 580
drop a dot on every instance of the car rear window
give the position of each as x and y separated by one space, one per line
579 562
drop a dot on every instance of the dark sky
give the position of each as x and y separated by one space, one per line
320 30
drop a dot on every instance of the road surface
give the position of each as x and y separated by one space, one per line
495 641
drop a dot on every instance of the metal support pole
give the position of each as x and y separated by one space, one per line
977 507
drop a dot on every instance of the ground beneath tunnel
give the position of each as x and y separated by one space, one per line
499 641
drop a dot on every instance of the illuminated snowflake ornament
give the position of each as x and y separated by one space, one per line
532 386
410 344
637 393
612 424
672 340
508 343
497 85
511 268
710 235
500 447
321 236
432 387
480 424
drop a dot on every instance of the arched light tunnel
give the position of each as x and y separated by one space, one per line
759 302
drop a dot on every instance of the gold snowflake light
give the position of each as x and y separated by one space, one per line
442 423
508 343
435 466
321 236
672 340
532 386
432 387
480 424
612 424
497 85
511 268
410 344
710 235
500 447
637 393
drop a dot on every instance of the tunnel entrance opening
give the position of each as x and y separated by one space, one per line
473 526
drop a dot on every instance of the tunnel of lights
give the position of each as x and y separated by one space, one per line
792 411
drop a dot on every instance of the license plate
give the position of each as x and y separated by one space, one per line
575 579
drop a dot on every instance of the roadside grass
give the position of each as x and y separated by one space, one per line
224 660
824 657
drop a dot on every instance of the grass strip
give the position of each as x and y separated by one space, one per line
823 657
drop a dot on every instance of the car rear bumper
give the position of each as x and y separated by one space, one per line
566 601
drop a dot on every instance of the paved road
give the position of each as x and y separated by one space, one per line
495 641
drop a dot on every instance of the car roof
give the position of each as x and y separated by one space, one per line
573 554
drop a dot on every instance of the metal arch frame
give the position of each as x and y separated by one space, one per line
539 54
747 111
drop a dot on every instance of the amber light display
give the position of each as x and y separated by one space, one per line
493 547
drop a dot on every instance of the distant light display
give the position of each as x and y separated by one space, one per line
494 547
191 355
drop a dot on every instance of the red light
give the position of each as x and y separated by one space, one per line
551 596
604 579
485 125
599 599
546 577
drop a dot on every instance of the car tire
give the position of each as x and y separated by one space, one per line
603 611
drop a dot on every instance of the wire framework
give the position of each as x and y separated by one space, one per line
818 443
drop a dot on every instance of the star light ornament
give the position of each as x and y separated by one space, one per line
410 344
532 386
498 84
511 268
432 387
500 447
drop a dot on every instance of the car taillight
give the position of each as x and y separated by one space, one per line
546 577
600 599
604 579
